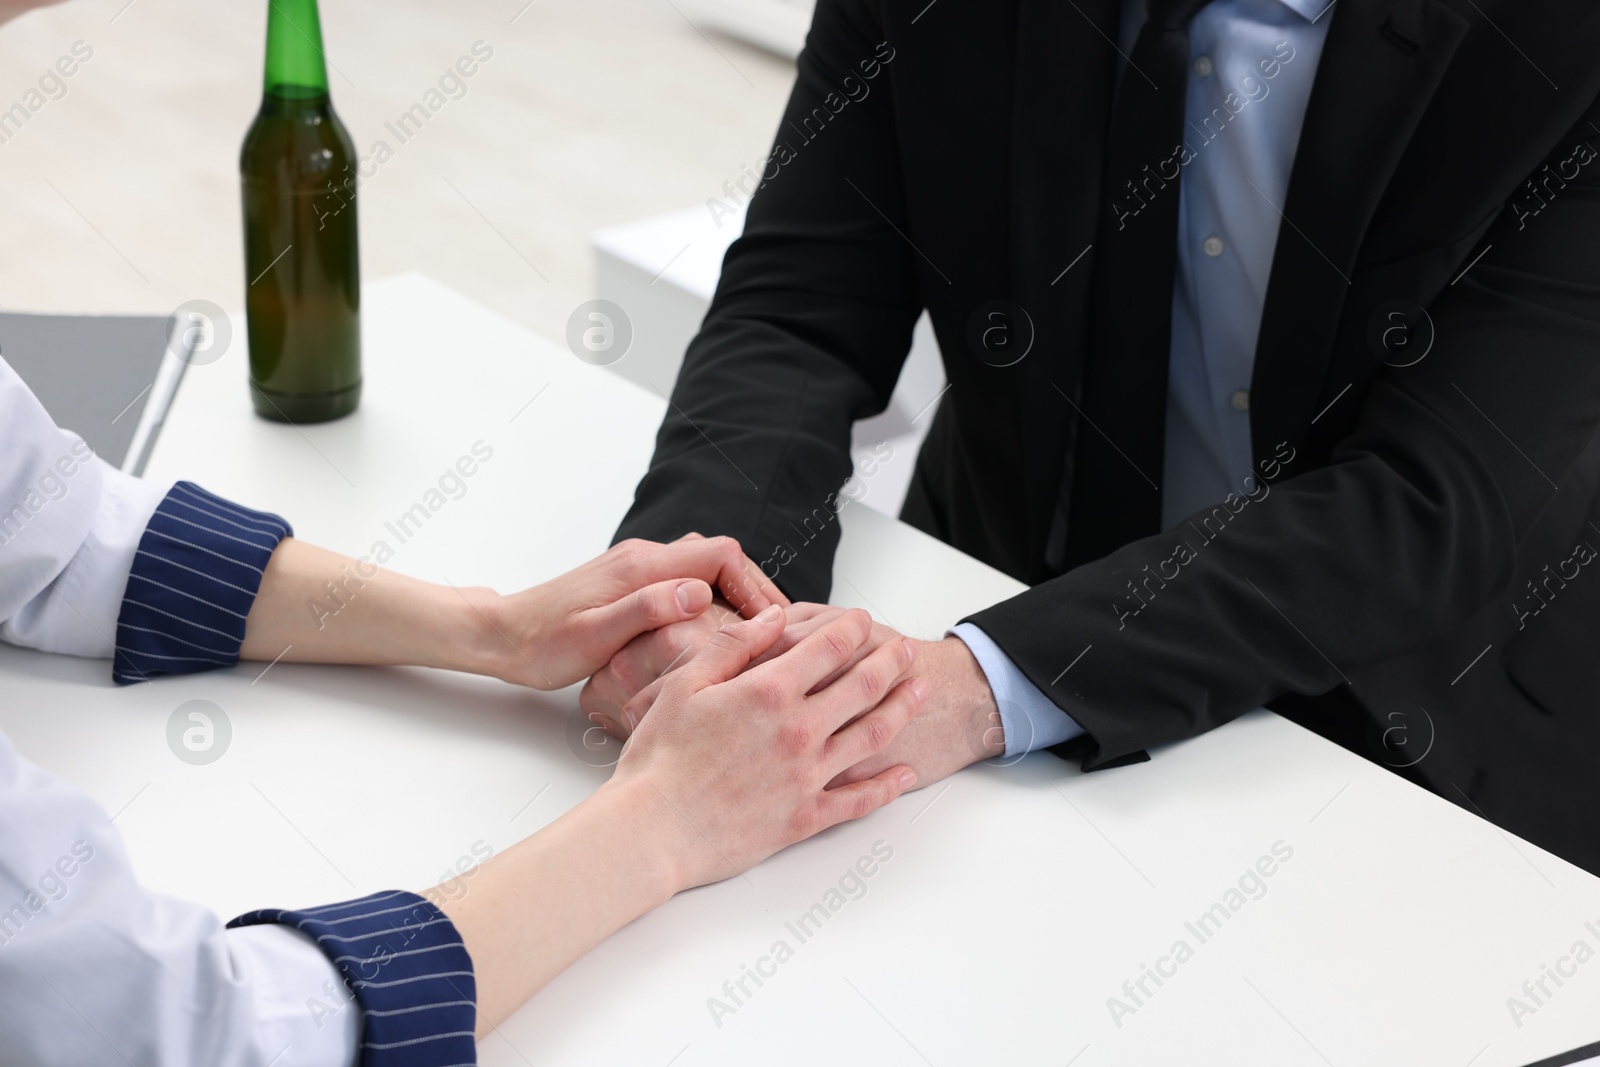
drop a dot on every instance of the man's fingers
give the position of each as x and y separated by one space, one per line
601 701
863 798
634 711
728 652
873 732
861 687
819 654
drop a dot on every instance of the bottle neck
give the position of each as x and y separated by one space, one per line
296 68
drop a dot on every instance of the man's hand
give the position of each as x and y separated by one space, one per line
643 664
958 725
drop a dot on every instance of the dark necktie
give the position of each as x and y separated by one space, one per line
1114 498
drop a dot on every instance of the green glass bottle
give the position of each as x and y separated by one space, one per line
302 271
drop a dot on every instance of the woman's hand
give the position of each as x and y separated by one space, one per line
315 606
728 768
563 631
619 694
733 763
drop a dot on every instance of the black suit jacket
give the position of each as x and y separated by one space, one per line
1412 576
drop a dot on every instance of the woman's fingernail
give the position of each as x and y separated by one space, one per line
908 778
771 614
919 689
693 597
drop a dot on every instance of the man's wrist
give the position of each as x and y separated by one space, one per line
950 663
1027 719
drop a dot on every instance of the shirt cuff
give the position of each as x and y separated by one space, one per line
194 578
1029 718
408 969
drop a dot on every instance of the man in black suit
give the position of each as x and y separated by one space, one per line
1401 560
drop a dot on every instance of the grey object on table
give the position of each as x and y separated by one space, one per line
108 378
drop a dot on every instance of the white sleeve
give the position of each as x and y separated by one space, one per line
95 969
69 526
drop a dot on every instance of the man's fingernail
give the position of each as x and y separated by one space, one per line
908 651
908 778
770 614
919 689
693 597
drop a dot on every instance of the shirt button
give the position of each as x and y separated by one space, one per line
1240 400
1202 66
1213 246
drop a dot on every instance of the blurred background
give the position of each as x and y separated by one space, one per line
123 194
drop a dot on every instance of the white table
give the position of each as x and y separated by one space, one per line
1017 899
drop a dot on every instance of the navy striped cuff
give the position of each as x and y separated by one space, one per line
195 575
409 971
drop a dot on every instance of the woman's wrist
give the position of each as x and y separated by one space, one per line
638 823
480 639
526 914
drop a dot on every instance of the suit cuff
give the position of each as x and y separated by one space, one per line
195 576
1029 718
408 969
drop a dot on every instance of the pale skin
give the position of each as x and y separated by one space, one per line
959 726
316 606
729 768
10 9
733 764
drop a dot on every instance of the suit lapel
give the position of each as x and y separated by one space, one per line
1065 70
1381 63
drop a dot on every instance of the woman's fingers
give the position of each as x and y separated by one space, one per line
807 611
876 730
859 799
742 582
817 655
718 561
728 652
804 620
744 585
862 686
650 608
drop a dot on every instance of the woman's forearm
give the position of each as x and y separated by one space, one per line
530 912
316 606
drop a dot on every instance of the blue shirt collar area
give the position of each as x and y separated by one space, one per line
1310 10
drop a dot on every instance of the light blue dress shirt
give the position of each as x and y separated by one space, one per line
1252 63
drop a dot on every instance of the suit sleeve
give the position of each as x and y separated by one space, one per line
1408 530
808 329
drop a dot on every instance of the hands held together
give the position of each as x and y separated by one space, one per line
691 633
751 723
719 681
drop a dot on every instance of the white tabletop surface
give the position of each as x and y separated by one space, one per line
1017 899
